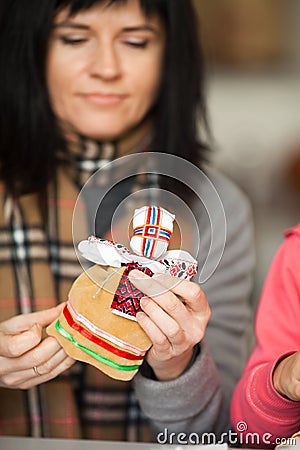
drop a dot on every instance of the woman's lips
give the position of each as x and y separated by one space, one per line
102 99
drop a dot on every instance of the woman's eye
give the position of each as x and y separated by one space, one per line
142 43
70 40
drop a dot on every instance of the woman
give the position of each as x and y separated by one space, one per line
83 82
267 397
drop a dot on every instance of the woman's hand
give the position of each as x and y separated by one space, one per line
175 317
25 359
286 377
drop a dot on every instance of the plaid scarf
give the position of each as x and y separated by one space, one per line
37 267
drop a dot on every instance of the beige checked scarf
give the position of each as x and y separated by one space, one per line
37 267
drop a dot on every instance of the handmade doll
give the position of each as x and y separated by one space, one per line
98 324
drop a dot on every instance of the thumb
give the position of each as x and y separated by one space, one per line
14 345
24 322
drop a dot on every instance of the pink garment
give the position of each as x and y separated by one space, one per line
255 400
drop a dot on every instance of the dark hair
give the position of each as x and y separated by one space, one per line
29 133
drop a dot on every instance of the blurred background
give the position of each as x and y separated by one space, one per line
252 50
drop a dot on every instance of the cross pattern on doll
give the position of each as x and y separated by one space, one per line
152 230
127 297
150 234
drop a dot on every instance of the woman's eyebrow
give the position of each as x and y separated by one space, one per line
141 28
81 26
72 25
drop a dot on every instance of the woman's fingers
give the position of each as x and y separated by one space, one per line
14 345
66 363
161 328
157 337
21 333
37 356
159 293
175 315
49 364
188 291
24 322
161 284
165 290
25 359
176 311
24 379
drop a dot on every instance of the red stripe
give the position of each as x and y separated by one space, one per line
148 218
156 223
158 215
91 337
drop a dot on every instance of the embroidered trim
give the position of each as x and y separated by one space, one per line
127 297
174 262
92 353
80 318
95 339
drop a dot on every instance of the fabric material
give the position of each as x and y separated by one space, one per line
198 405
178 262
152 229
83 402
127 297
277 329
94 304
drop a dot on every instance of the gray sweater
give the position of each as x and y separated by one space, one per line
198 401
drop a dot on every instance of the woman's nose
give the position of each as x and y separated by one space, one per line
105 63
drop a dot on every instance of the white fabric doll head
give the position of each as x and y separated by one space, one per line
152 229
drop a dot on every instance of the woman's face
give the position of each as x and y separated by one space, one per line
104 68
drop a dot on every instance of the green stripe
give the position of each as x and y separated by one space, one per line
92 353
